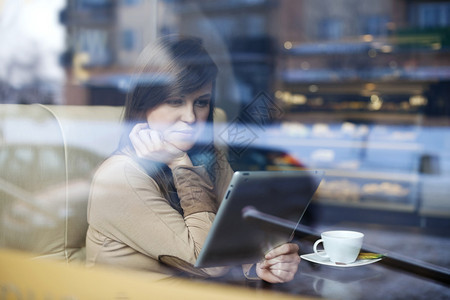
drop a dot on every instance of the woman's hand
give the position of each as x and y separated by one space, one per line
150 144
280 264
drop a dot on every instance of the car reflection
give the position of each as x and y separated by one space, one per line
258 159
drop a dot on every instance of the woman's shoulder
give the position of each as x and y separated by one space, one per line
115 162
117 167
123 174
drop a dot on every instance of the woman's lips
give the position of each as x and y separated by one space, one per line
184 134
186 131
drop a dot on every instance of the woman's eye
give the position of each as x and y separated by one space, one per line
202 102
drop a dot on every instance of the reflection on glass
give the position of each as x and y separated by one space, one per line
357 89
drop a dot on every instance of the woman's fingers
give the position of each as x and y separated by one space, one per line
137 138
276 275
145 141
150 144
283 260
280 264
288 248
156 141
281 272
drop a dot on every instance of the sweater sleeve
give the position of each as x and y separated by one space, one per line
195 190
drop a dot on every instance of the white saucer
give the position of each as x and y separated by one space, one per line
313 257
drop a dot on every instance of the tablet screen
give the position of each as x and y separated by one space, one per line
234 240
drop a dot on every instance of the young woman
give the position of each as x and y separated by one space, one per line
153 202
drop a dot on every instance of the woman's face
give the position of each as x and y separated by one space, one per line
181 120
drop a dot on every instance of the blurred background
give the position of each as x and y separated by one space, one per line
357 88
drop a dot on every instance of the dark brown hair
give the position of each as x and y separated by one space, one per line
172 66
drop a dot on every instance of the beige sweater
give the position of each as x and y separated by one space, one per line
131 223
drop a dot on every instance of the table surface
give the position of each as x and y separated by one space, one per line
379 280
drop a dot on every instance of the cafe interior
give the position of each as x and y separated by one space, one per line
356 90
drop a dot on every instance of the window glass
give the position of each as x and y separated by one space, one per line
128 40
358 89
432 15
330 29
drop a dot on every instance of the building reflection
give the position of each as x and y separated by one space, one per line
350 57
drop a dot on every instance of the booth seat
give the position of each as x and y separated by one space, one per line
48 154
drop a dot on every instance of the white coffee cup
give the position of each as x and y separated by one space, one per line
341 246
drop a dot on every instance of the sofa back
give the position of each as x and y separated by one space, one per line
47 158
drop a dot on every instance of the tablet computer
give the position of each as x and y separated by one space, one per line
235 240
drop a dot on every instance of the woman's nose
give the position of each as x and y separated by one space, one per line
188 114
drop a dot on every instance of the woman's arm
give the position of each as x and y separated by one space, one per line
127 205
